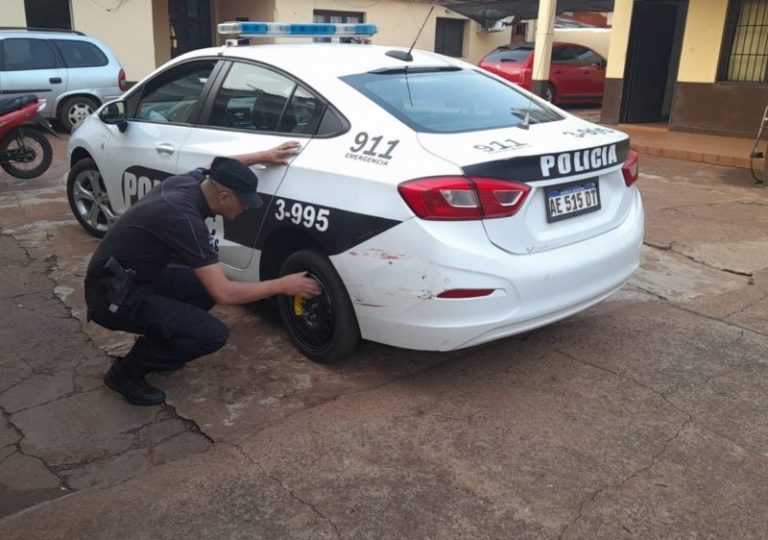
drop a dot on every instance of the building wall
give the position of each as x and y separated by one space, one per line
704 27
617 56
12 13
228 10
127 29
701 103
161 31
398 23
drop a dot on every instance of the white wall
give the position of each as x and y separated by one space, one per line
125 28
12 13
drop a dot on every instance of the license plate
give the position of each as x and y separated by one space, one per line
573 199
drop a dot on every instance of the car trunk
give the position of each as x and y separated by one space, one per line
573 170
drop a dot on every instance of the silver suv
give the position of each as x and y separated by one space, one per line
73 72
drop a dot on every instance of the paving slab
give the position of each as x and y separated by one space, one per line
25 481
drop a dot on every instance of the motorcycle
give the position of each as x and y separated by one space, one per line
25 151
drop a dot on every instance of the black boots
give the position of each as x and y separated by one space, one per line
125 378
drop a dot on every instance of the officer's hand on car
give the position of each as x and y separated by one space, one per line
299 284
280 154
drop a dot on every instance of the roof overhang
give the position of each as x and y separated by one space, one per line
488 11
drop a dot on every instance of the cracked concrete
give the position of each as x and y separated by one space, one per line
643 416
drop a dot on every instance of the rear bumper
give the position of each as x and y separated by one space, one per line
394 278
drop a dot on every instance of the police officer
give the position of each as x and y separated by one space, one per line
156 272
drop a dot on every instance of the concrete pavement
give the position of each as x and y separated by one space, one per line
641 417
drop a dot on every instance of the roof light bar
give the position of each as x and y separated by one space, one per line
267 29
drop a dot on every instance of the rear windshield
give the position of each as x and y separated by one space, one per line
448 100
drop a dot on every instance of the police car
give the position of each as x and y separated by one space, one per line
439 206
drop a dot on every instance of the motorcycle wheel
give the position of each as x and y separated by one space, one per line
324 328
27 152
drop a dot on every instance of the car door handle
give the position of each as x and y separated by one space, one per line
55 80
558 71
165 148
259 166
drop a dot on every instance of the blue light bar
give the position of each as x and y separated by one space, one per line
267 29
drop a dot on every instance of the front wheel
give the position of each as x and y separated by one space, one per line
324 328
26 153
88 198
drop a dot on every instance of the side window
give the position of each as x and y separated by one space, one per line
257 99
27 54
303 113
172 96
587 57
78 54
564 55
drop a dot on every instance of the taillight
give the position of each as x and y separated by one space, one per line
121 80
631 168
525 77
463 198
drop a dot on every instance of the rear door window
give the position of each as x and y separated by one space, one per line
255 98
439 100
23 54
78 54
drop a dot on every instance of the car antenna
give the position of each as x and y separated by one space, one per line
406 56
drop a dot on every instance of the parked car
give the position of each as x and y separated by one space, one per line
576 73
74 73
438 205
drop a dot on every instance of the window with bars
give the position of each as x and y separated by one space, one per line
744 56
323 16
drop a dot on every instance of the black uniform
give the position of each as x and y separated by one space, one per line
161 238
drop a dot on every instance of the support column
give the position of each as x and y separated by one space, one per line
542 53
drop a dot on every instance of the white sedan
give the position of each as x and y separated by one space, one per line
439 206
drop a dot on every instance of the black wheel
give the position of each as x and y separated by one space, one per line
324 328
28 153
75 110
549 92
88 198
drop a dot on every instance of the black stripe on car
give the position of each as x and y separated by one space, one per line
555 165
334 229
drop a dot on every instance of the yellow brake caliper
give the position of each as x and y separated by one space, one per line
298 306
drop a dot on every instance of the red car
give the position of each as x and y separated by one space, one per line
576 73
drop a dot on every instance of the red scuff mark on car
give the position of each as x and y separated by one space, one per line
383 255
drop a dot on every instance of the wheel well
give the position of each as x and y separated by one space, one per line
78 154
66 98
279 246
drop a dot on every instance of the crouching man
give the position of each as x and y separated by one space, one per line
156 272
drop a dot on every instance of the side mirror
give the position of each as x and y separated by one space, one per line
113 113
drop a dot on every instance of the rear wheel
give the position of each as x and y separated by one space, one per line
27 152
88 198
75 110
324 328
